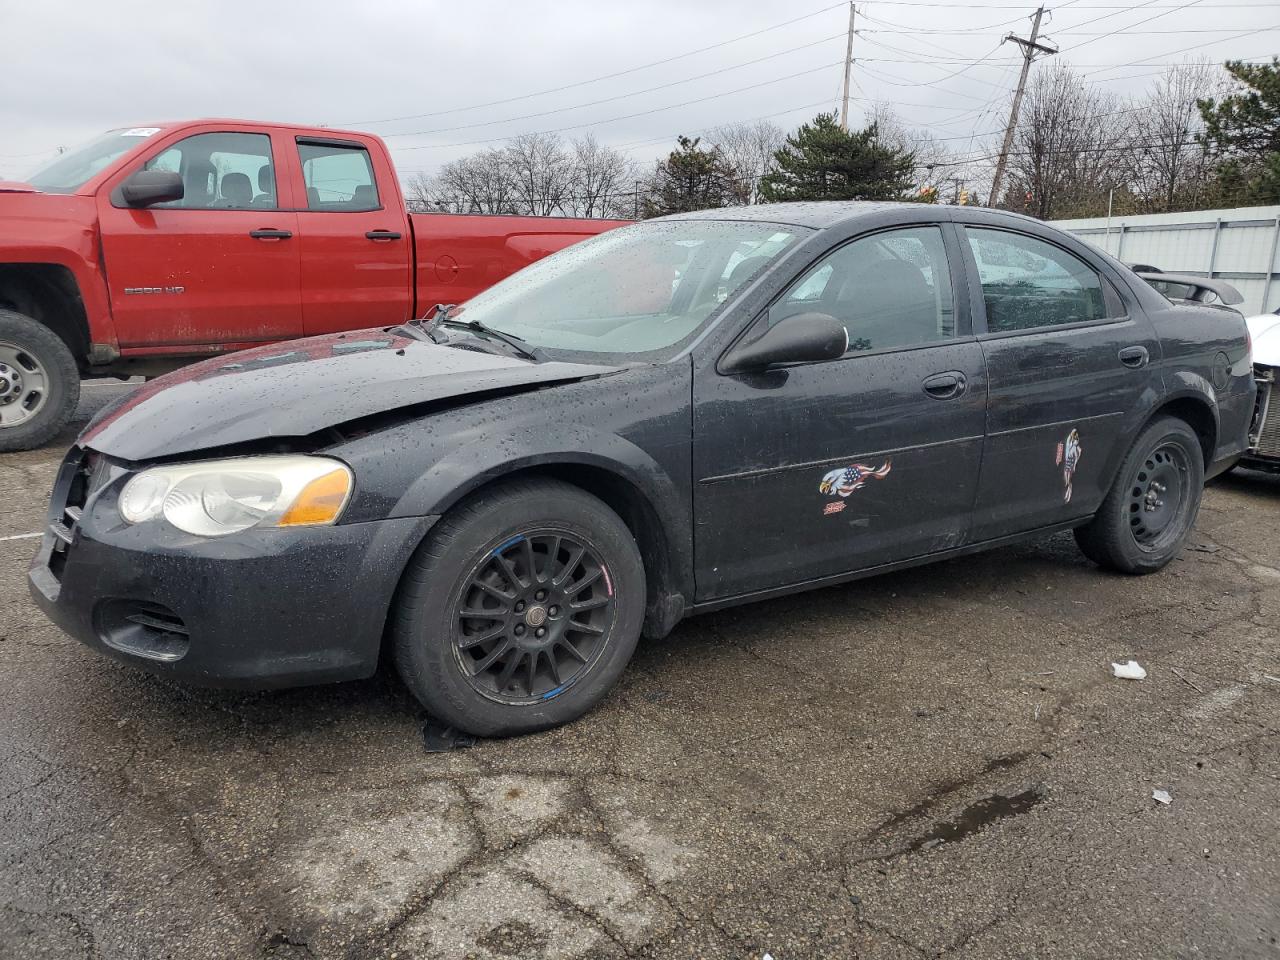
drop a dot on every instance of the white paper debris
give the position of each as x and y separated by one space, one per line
1129 671
1162 796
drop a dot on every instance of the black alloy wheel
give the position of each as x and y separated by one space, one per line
533 616
520 609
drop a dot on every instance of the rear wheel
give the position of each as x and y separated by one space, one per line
39 382
1145 519
521 610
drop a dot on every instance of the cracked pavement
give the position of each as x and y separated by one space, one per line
932 763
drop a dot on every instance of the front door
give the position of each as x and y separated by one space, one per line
219 266
813 470
356 250
1068 368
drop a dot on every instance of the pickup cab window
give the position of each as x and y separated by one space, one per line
339 177
221 171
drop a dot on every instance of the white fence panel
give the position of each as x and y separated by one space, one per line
1241 246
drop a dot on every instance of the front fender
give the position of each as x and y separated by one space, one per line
476 464
61 231
626 436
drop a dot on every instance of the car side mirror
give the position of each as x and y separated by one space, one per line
152 186
804 338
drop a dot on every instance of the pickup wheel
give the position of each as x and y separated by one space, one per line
520 610
39 382
1147 516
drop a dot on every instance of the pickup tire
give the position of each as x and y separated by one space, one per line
1146 517
39 382
520 609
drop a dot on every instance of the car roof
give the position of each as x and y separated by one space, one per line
823 214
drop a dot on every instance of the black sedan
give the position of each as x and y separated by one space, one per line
666 419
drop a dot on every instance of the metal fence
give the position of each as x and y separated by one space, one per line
1239 246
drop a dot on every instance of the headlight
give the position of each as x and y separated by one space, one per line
218 497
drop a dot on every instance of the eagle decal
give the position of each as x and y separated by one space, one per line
1068 459
842 481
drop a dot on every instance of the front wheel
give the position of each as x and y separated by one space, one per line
1146 517
521 609
39 382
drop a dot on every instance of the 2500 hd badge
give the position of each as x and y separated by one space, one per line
503 497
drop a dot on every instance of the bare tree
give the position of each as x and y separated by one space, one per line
420 194
1170 169
931 155
1070 148
541 172
749 149
603 180
480 183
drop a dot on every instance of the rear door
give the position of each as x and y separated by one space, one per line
813 470
220 266
1068 367
355 247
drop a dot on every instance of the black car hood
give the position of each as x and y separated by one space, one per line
298 388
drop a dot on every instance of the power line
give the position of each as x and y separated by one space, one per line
1196 46
1015 6
621 96
629 116
607 76
1189 3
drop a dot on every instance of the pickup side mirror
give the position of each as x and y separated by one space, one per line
804 338
152 186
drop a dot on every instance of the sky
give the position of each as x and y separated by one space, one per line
440 80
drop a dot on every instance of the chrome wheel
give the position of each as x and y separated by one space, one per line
24 385
533 616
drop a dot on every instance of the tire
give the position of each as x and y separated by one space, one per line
1146 517
39 382
450 625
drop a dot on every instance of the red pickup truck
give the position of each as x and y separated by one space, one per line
159 245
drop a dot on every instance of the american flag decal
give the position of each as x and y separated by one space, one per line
844 480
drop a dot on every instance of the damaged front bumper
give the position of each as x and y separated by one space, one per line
262 608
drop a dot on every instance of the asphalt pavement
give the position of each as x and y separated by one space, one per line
932 763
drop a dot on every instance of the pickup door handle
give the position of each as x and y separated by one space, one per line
1134 357
945 386
267 234
382 235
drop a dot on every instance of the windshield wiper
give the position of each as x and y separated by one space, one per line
510 339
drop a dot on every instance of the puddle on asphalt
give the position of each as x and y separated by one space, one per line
942 791
976 816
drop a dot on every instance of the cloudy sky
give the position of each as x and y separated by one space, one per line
440 80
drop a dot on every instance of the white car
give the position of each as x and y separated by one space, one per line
1264 435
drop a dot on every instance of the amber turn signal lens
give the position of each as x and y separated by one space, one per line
320 501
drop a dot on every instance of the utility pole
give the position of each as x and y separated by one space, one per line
848 69
1029 50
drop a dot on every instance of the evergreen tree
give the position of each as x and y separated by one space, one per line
1243 130
822 162
691 179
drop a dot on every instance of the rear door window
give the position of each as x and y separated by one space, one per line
1028 284
338 177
